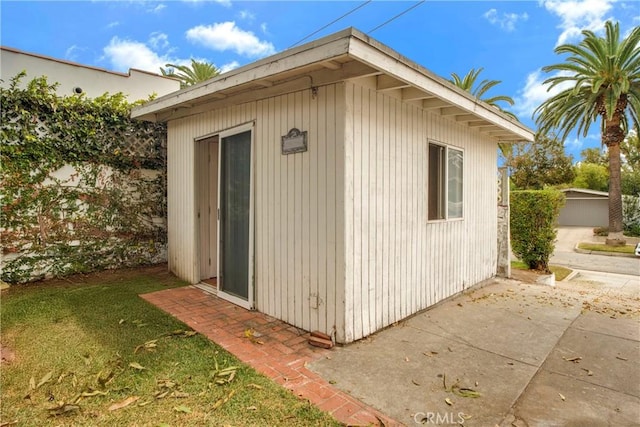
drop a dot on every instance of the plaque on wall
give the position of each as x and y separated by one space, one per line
294 142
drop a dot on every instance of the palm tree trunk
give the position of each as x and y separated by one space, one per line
615 237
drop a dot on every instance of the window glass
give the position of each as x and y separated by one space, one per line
454 183
445 182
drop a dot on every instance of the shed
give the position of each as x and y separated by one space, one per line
584 208
337 186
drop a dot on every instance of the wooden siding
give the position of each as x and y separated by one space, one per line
299 229
398 263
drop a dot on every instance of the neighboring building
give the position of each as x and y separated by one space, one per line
585 208
353 187
76 78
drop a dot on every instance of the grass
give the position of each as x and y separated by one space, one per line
626 249
80 340
560 272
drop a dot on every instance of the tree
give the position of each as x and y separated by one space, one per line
540 164
595 156
190 75
468 83
591 176
604 78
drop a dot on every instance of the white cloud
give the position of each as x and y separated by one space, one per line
507 21
125 54
578 15
225 3
71 53
113 24
230 66
227 36
158 40
246 15
158 8
535 93
263 27
576 143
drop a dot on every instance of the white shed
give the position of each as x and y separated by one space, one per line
337 186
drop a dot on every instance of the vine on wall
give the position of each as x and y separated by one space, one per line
83 185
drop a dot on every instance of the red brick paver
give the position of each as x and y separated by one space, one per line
282 354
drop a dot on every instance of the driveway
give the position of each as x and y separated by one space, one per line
537 356
565 255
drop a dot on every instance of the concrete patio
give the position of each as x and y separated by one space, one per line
537 356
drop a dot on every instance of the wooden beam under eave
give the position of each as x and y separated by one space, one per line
434 103
498 133
466 118
479 124
454 111
332 65
412 94
264 83
385 82
488 128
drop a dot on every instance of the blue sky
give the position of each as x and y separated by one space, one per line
512 40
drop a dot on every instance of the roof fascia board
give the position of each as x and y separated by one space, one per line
302 82
319 51
367 50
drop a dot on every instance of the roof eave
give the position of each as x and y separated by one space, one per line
365 50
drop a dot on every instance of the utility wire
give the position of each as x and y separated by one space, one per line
397 16
332 22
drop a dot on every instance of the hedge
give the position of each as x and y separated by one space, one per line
534 215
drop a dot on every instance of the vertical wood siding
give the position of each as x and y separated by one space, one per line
299 237
397 262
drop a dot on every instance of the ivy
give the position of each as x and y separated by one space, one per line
83 185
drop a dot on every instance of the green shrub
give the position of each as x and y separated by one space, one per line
631 216
534 215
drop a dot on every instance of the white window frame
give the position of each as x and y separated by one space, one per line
445 188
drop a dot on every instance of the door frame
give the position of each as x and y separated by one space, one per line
249 303
211 140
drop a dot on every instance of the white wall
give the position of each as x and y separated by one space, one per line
398 263
299 237
94 81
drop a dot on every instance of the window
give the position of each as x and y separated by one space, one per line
445 182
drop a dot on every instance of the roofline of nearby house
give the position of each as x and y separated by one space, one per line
349 43
75 64
585 191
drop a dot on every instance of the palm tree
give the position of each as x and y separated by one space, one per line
468 82
190 75
604 78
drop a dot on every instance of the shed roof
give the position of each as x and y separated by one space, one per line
347 54
602 194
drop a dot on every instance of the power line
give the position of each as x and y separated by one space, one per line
397 16
332 22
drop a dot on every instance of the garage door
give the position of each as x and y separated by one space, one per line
585 213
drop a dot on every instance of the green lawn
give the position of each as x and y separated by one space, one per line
626 249
82 348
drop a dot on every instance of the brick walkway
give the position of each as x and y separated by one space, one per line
282 355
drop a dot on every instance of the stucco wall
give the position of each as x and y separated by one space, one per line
93 81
